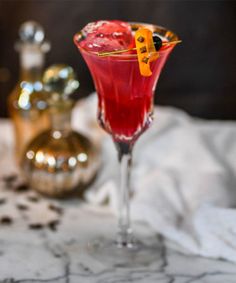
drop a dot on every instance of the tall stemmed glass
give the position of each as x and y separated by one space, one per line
125 111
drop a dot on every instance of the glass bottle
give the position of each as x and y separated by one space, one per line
59 160
27 104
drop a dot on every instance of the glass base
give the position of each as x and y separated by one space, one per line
135 254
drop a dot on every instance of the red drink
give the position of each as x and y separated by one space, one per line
125 80
125 96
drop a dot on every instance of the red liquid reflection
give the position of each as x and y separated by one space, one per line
125 97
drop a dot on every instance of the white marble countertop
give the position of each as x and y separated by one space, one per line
43 240
49 247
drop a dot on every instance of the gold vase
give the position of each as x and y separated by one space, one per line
60 161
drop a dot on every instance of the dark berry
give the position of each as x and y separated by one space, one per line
157 41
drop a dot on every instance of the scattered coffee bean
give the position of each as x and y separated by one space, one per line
22 206
36 226
21 188
55 208
6 220
53 225
33 198
2 201
10 178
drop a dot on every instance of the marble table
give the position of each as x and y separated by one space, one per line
41 240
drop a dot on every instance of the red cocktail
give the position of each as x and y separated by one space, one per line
125 61
125 96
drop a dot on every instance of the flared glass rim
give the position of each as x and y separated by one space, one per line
162 31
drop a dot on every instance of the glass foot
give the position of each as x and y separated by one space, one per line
135 254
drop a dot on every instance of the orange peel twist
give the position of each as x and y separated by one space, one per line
146 51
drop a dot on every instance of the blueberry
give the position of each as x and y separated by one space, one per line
157 41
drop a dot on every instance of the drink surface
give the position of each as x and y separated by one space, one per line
125 103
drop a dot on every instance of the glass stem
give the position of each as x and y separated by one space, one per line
124 237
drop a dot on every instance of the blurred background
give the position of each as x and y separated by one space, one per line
199 77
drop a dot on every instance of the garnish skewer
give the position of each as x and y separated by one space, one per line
134 48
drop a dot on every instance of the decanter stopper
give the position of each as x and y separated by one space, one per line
60 161
32 33
60 82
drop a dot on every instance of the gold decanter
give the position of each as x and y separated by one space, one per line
60 160
27 105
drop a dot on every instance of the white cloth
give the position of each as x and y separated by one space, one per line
183 177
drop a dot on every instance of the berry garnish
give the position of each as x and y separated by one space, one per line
157 41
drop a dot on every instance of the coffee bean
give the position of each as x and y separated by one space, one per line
33 198
53 225
2 201
6 220
22 206
21 188
9 178
36 226
55 208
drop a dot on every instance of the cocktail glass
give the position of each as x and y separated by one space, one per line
125 111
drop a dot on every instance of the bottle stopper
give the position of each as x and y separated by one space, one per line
59 82
32 34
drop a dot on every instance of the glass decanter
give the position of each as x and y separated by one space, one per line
27 102
59 160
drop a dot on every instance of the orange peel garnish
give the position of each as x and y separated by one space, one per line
146 51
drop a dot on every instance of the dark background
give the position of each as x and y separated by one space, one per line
199 77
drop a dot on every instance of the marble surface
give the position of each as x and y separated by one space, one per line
43 241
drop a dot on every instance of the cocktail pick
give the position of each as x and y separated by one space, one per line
147 45
108 53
